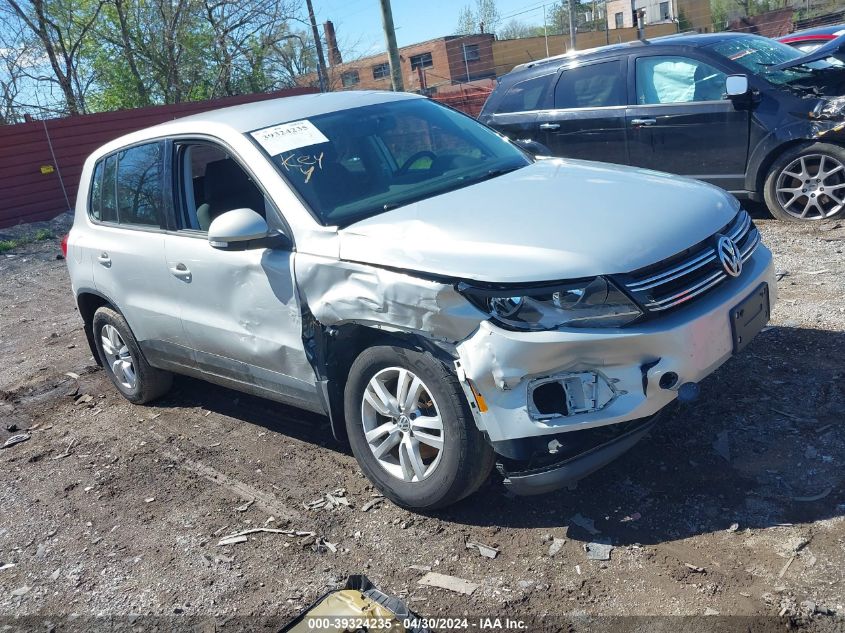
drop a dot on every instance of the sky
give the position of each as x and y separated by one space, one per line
359 29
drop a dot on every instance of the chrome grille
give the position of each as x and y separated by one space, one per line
678 279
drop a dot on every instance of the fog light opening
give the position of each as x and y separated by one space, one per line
668 380
550 399
569 394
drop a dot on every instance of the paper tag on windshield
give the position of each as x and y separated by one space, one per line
288 136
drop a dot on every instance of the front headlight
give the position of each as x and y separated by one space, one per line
590 303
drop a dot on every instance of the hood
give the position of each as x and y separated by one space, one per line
834 48
555 219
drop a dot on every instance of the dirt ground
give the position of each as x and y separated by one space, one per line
733 506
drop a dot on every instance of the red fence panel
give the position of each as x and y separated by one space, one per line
40 161
467 101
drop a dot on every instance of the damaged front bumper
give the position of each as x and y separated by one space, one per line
570 468
606 376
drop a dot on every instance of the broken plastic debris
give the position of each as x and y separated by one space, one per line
442 581
245 507
599 550
484 550
557 544
240 537
694 568
329 500
72 374
16 439
585 523
371 504
734 527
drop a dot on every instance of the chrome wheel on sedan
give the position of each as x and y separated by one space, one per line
119 357
812 187
402 424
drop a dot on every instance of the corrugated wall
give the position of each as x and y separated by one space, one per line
32 174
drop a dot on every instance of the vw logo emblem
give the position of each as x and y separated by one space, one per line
729 255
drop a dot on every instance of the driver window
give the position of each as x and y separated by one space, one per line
213 183
664 79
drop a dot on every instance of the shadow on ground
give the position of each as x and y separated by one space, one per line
764 439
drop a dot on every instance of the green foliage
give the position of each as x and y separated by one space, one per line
472 17
39 236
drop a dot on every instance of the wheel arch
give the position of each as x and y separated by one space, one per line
88 302
332 350
769 159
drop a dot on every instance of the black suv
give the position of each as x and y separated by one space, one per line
749 114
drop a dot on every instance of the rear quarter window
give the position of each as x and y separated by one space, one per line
531 94
102 205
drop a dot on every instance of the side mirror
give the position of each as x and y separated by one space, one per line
233 229
736 86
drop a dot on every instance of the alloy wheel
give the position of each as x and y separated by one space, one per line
402 424
812 187
118 356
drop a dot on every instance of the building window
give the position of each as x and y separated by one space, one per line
472 52
349 78
381 71
421 61
618 18
664 11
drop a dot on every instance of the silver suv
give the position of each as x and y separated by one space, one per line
447 300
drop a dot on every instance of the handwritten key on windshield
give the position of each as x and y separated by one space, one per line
304 164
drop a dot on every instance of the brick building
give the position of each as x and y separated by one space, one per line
695 13
426 67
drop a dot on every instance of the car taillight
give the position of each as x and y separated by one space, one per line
64 245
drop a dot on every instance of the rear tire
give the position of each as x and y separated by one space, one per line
410 470
121 357
807 183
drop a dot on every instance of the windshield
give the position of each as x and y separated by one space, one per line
355 163
758 54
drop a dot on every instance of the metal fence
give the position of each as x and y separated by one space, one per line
41 161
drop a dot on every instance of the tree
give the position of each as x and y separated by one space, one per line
515 29
483 17
61 28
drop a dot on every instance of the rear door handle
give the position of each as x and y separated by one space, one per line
642 122
181 271
549 126
104 260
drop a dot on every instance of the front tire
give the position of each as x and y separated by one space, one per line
129 371
807 183
411 430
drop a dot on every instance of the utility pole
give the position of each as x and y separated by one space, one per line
572 24
321 61
392 49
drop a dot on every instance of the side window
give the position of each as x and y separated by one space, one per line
140 185
102 205
95 200
212 182
526 95
665 79
593 86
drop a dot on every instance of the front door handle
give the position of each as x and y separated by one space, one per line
181 271
549 126
104 259
642 122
